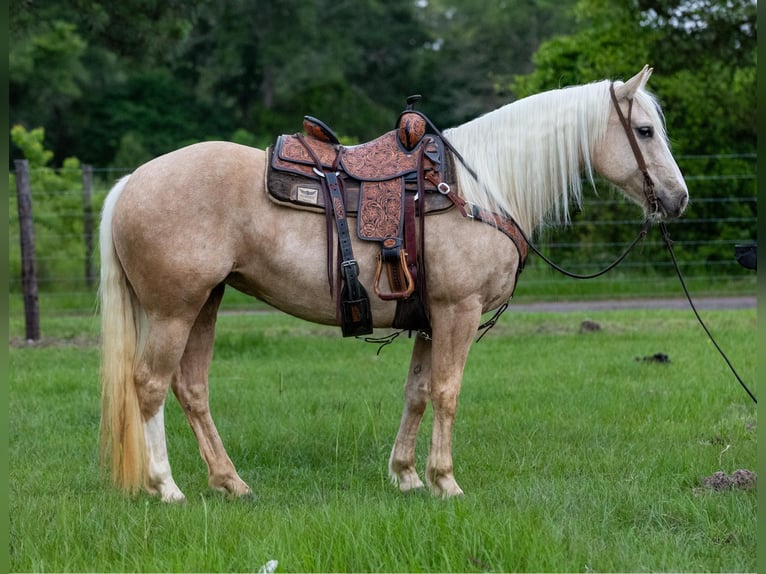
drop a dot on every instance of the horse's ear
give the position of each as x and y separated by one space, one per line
637 82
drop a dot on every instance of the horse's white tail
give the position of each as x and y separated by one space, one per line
123 444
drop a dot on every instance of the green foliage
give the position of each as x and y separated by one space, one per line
704 59
177 72
606 44
475 48
31 145
57 208
47 65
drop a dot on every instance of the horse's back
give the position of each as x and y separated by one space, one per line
210 179
217 167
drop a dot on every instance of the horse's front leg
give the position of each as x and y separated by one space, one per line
453 332
401 465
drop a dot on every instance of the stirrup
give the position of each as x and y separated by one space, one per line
409 284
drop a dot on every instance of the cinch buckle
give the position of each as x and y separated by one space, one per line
351 263
443 188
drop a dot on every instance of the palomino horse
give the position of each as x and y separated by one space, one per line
183 226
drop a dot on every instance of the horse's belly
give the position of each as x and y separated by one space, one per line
288 263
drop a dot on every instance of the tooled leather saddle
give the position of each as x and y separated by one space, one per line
388 184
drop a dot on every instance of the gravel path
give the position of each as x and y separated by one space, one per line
702 303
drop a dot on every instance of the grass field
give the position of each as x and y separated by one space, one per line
575 453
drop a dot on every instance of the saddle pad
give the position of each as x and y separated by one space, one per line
304 192
296 185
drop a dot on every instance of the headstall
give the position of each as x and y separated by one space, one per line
651 197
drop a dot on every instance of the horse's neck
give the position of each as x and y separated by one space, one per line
529 155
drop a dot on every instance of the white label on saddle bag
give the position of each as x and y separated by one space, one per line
308 195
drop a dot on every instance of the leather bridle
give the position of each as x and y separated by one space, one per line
653 203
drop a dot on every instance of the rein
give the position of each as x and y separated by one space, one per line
653 211
669 243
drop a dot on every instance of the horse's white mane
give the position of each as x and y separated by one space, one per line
530 155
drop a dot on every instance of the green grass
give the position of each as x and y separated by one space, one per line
574 455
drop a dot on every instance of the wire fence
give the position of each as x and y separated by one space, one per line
722 214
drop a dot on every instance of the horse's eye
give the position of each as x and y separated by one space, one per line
645 131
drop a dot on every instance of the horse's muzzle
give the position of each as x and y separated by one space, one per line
672 205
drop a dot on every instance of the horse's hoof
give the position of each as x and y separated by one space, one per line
168 491
177 498
412 485
171 495
407 480
445 487
234 487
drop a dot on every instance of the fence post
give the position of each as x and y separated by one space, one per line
87 195
27 240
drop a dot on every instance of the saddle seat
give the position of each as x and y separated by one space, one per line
293 179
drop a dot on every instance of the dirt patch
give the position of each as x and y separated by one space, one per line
656 358
588 326
741 479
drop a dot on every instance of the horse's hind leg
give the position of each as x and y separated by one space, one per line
162 350
191 389
401 464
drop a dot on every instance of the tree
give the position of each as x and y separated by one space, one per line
704 56
135 79
476 48
57 201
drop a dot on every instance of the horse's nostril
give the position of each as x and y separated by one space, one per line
684 202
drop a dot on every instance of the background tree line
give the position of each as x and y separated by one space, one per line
120 82
117 83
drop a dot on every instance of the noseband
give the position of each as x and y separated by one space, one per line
651 196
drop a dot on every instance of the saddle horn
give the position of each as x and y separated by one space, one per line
411 125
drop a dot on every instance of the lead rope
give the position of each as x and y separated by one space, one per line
654 208
669 243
